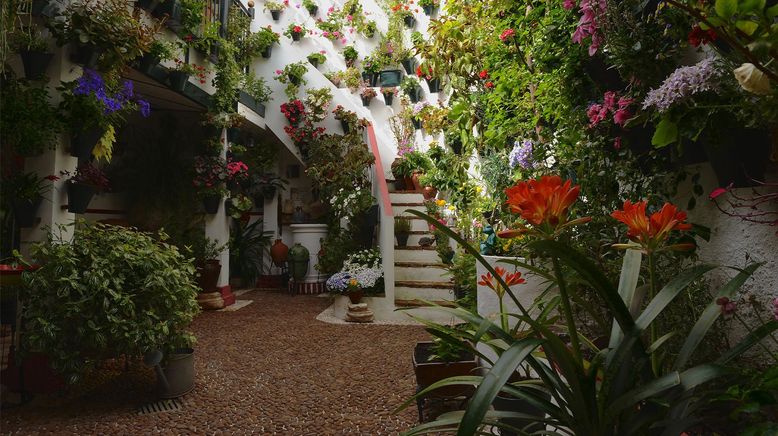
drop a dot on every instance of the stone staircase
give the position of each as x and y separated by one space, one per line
418 273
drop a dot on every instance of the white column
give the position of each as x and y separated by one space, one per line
217 228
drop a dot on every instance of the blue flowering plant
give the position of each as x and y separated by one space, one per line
362 270
91 101
520 157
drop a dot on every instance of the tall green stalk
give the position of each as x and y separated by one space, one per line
567 309
652 292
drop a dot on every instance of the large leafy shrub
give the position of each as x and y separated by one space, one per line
106 292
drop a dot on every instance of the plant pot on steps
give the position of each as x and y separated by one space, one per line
388 98
209 272
408 182
178 80
399 185
402 239
409 21
416 185
25 211
211 204
79 197
414 95
355 296
179 374
434 84
83 142
35 63
366 101
390 78
428 372
409 65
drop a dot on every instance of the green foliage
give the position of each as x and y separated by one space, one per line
256 87
402 225
192 16
248 245
29 123
317 58
107 292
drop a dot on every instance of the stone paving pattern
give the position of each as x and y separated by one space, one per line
269 368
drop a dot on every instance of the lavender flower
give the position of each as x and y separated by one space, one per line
684 83
339 281
92 83
418 107
521 155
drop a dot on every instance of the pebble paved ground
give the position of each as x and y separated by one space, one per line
268 368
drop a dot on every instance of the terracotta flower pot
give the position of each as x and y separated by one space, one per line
429 192
355 296
416 185
209 272
279 252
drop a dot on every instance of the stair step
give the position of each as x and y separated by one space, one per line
408 204
423 284
419 303
406 197
420 265
428 294
429 256
414 247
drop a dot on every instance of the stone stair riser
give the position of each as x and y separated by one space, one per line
425 273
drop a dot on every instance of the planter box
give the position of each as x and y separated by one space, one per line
35 63
428 372
390 78
251 103
79 197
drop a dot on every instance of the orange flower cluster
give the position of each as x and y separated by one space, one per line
652 232
509 279
543 202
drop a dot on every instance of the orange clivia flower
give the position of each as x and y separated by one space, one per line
544 202
652 232
491 282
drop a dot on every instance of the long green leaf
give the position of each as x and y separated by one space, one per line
534 269
709 316
668 294
628 281
460 380
749 341
493 381
589 272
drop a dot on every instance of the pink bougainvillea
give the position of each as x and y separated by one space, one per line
611 104
589 24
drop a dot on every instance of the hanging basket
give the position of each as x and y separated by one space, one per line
178 80
267 52
428 10
296 36
434 85
83 142
409 21
211 203
345 126
409 65
79 197
276 15
35 63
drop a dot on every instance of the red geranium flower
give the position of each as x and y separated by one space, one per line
489 85
483 74
507 34
699 37
652 232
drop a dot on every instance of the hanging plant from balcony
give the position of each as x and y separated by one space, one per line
294 111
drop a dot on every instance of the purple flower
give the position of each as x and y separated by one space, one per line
684 83
521 155
145 108
91 83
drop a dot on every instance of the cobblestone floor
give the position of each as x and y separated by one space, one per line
268 368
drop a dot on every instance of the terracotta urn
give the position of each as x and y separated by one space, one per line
279 252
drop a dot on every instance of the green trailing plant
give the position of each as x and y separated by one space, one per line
409 84
274 6
82 305
192 17
293 76
26 187
29 123
256 87
162 50
317 58
310 6
254 44
369 29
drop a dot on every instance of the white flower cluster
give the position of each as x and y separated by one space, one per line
365 266
345 201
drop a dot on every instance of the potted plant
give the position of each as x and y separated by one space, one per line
367 94
410 86
295 31
362 275
210 175
256 88
370 68
107 33
33 49
264 40
428 6
292 73
352 79
419 164
443 248
127 273
180 74
317 59
348 119
265 187
34 124
417 113
248 245
439 360
83 184
336 77
350 54
275 9
93 108
425 71
402 229
407 60
311 7
206 253
390 78
369 29
388 94
159 51
23 194
294 112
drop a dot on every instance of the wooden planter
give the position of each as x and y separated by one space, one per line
428 372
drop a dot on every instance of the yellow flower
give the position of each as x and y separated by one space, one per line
440 202
451 207
353 282
478 189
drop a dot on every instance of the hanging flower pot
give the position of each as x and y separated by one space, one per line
276 15
409 21
366 76
87 55
83 142
211 203
25 211
416 123
35 63
388 98
178 80
149 5
147 63
413 94
79 197
390 78
313 10
171 9
434 84
428 9
366 101
345 126
374 79
296 36
409 65
294 80
267 52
